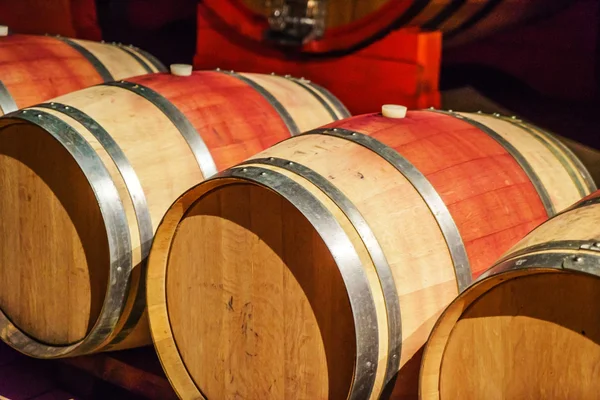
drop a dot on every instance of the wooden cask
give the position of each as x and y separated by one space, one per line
530 327
38 68
85 179
340 26
317 268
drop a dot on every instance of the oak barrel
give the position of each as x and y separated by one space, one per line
530 326
38 68
347 26
85 179
317 268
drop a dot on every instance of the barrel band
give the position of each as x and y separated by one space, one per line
138 199
301 83
339 106
160 67
425 189
486 10
7 103
519 158
185 127
96 63
137 58
591 245
119 241
320 93
581 261
371 243
548 140
580 168
447 12
349 264
283 113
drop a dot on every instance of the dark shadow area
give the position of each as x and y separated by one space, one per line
164 28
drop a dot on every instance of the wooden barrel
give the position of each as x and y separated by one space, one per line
85 179
351 25
38 68
71 18
317 268
530 327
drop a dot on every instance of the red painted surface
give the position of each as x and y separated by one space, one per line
37 68
402 68
489 196
245 22
70 18
235 121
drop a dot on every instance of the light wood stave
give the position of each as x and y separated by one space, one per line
220 243
133 141
512 333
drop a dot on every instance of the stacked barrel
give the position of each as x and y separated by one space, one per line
272 246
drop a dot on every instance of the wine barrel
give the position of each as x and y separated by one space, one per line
38 68
85 179
317 268
70 18
352 25
530 327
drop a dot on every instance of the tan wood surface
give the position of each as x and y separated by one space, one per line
589 156
119 63
296 100
57 255
230 243
548 167
531 337
71 235
530 329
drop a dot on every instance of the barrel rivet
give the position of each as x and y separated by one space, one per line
39 115
578 259
287 76
244 169
24 111
272 73
514 117
290 163
52 103
217 69
67 107
432 108
263 173
450 111
136 86
369 364
597 244
119 269
231 71
353 133
271 159
335 129
479 112
496 115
